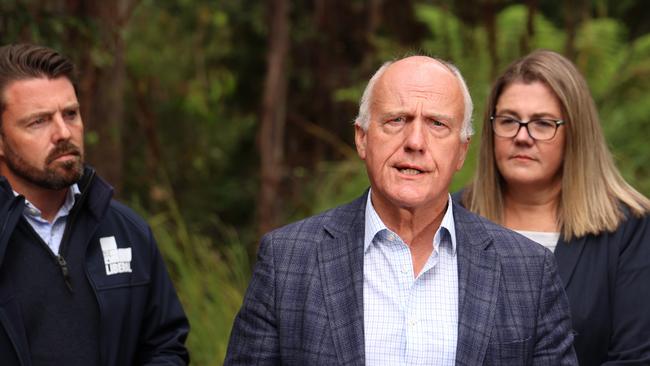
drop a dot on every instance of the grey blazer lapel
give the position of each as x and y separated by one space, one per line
478 282
340 261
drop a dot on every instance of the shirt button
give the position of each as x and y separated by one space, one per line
391 237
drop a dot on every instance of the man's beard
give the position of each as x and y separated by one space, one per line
54 175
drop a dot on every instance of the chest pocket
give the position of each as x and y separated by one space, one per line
116 262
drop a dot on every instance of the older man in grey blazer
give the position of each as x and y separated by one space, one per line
403 276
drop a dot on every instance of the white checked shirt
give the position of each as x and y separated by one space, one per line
407 320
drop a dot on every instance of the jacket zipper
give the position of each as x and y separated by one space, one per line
64 270
60 260
63 265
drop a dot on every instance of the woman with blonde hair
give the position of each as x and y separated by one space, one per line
545 171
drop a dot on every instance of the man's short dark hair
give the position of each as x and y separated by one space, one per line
27 61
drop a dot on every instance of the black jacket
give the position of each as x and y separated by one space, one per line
141 319
607 280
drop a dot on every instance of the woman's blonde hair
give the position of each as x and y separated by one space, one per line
593 190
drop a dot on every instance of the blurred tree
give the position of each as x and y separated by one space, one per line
192 102
574 13
272 121
103 83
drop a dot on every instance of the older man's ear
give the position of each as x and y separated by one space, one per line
463 154
360 141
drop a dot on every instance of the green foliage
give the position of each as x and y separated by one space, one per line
195 74
181 55
333 184
511 30
209 282
185 59
446 31
601 48
624 110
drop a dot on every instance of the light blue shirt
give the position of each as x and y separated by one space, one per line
409 320
51 233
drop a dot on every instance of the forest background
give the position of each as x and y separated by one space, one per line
220 120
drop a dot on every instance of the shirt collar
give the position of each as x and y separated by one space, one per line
70 199
374 224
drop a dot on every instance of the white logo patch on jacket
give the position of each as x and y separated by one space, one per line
117 260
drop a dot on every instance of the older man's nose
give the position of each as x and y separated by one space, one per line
415 139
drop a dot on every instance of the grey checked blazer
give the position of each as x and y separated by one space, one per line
304 304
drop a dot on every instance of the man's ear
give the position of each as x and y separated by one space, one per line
464 146
360 141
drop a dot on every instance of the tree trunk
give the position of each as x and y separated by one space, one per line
574 13
530 27
570 22
105 118
374 20
273 116
101 86
489 16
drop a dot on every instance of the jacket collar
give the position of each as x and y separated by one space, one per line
85 183
340 260
567 255
478 285
96 193
96 196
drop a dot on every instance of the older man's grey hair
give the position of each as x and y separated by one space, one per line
363 119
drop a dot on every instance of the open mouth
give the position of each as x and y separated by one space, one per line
410 171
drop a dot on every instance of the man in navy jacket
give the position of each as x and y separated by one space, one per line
81 279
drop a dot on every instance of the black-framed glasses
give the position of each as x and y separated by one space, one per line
540 129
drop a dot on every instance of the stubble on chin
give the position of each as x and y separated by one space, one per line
53 176
65 174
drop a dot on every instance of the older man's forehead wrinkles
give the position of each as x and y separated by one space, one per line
424 88
405 96
426 94
389 97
